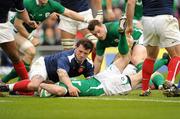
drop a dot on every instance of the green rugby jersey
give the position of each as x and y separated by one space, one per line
40 13
111 40
113 37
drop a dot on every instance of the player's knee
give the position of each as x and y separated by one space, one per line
31 51
135 60
27 47
68 43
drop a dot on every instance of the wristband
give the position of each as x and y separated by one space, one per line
30 37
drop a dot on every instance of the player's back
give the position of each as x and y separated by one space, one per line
113 81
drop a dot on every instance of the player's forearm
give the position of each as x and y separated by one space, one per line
53 89
130 11
24 16
18 24
97 64
73 15
63 77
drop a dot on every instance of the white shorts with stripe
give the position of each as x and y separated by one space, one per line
161 30
113 81
72 26
6 32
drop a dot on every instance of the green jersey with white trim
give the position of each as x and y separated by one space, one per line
87 87
111 40
113 37
39 13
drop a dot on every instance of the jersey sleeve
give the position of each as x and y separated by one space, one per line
100 49
19 5
58 7
63 63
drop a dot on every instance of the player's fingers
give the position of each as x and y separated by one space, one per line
78 91
75 94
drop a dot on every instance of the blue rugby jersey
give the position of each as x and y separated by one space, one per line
6 5
157 7
67 61
75 5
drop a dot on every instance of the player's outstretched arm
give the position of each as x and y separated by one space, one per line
97 63
63 77
74 15
53 89
130 14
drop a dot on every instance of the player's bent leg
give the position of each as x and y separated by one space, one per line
123 47
122 62
157 80
11 51
26 48
139 53
147 69
29 54
136 79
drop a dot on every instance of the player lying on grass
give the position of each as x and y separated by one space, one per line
26 40
110 35
61 65
112 81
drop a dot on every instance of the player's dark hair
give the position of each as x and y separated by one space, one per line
92 24
87 44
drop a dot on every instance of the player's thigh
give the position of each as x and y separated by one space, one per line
24 45
149 33
6 32
68 25
139 53
169 32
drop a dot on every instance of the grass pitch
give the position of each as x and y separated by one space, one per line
130 106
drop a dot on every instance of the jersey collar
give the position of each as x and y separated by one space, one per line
37 2
105 28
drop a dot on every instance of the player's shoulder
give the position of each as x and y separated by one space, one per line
53 2
29 2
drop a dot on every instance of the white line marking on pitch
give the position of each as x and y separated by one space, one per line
123 99
4 101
